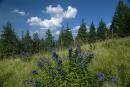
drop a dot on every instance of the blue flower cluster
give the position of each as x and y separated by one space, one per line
113 78
59 63
78 50
90 56
35 83
56 58
42 61
101 77
34 72
27 82
70 50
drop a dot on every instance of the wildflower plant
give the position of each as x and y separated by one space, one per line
75 75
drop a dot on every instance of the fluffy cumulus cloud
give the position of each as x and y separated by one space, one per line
70 13
55 11
58 14
22 13
45 24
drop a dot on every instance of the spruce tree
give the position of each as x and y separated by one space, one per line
27 43
102 31
120 20
92 34
42 44
61 38
68 38
36 43
49 42
9 41
82 36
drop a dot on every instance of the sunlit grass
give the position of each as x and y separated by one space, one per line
111 57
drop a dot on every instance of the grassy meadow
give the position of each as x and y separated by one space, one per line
111 57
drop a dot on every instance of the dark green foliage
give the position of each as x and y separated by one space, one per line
61 38
120 21
27 43
65 38
49 41
8 41
82 36
102 31
42 44
68 38
92 34
36 43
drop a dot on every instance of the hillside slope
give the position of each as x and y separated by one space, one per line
111 56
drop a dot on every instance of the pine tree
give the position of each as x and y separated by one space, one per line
65 38
42 45
82 36
128 24
49 42
102 31
68 38
9 41
120 20
61 38
27 43
92 34
36 43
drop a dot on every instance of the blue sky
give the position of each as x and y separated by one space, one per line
39 15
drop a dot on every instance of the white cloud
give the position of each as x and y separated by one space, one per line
58 14
75 28
45 24
70 13
108 25
57 32
54 10
22 13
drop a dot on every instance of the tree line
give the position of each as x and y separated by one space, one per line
11 44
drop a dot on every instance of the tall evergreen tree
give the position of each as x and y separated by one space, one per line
49 42
27 43
82 36
61 38
102 31
42 44
36 43
92 34
68 38
9 41
120 20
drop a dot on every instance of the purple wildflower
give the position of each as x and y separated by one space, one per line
54 55
90 54
58 61
70 52
35 83
113 78
40 64
100 76
78 50
34 72
27 81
